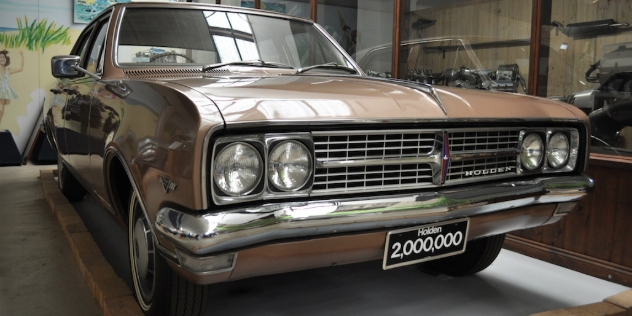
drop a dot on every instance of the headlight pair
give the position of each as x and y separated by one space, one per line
239 168
557 153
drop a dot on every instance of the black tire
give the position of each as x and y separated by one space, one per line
158 290
479 254
68 184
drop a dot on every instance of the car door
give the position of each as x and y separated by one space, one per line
103 118
64 90
81 91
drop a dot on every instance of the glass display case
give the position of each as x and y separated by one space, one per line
587 61
470 44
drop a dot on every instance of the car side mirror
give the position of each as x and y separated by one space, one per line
64 66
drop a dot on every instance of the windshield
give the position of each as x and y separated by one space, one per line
162 37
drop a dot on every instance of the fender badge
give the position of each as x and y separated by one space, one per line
167 185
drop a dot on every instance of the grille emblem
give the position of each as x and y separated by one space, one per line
446 157
473 173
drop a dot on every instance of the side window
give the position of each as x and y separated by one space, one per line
96 50
83 44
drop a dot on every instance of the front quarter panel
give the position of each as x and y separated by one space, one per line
161 140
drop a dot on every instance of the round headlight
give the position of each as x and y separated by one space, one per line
289 166
558 150
238 168
531 151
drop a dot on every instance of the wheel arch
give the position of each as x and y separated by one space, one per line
119 184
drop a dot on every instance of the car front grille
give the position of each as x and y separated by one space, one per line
468 142
373 161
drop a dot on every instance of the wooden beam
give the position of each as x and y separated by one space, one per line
313 10
534 59
575 261
397 19
539 53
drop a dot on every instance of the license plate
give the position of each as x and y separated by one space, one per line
425 243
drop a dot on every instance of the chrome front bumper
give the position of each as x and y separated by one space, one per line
242 227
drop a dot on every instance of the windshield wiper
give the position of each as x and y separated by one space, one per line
254 62
331 65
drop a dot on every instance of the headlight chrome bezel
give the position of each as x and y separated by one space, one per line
552 161
572 134
258 176
263 143
274 187
527 165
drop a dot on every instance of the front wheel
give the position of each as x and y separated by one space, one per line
158 290
479 254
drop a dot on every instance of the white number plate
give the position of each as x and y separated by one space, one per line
425 243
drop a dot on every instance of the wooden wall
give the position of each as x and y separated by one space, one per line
596 237
567 67
481 21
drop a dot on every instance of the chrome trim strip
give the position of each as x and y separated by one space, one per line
168 254
244 227
205 177
329 123
344 53
432 158
484 154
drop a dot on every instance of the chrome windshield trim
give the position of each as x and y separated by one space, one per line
244 227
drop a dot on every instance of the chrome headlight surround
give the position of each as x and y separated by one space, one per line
558 149
290 165
265 190
573 153
532 151
252 147
545 166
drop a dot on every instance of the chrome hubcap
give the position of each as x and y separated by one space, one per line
141 248
142 254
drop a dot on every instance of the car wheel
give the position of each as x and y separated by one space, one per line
158 290
479 254
68 184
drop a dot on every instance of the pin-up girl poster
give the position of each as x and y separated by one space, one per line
6 70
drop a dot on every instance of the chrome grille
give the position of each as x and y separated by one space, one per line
458 169
369 145
371 161
477 140
472 142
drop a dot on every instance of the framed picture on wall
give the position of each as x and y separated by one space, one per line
86 10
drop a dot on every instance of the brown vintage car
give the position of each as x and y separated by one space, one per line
234 143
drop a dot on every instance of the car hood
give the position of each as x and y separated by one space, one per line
311 98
